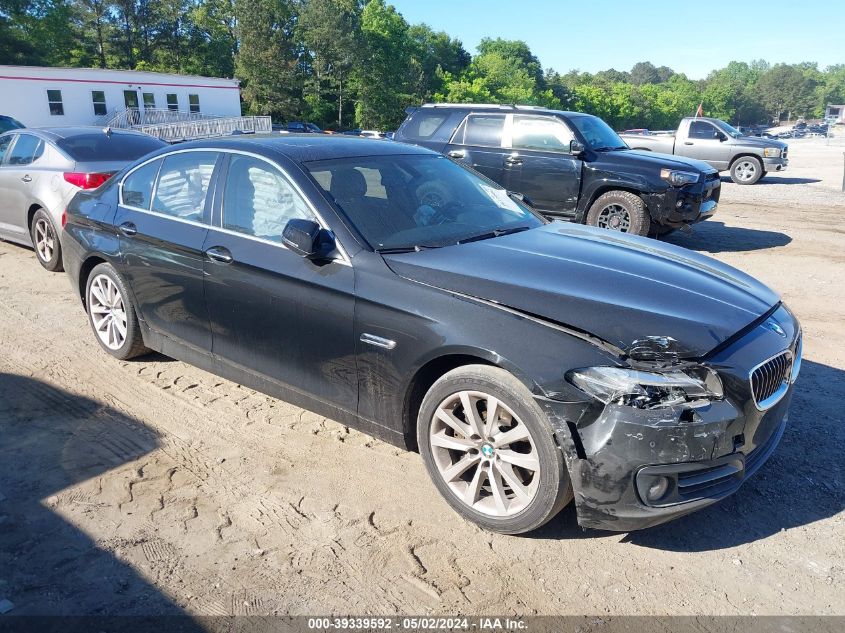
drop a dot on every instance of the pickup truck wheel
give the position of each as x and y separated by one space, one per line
620 211
746 170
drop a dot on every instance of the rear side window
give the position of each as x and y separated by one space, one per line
5 142
182 185
26 150
424 123
259 200
138 187
483 130
99 146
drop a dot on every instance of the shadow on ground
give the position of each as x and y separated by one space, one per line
771 179
715 237
803 482
50 440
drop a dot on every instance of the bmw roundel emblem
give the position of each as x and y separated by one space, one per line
775 327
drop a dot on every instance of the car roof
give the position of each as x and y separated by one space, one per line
304 148
501 107
58 133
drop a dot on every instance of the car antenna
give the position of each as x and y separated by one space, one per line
107 130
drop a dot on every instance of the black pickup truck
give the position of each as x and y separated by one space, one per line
569 165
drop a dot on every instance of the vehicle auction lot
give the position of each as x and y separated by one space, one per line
152 486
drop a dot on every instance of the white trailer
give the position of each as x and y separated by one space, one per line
39 96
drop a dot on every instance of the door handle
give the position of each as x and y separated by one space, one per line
128 229
513 160
688 143
27 178
219 254
456 153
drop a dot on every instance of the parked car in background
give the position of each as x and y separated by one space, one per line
42 169
8 123
531 362
747 158
569 165
303 127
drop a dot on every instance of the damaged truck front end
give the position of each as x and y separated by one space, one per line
660 435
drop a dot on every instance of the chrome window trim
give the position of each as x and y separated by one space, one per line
786 381
344 257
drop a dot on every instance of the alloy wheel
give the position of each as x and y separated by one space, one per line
746 170
614 217
45 240
108 312
484 453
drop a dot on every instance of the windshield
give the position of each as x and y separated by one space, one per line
728 129
419 201
598 134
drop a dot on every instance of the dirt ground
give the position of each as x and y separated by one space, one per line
153 487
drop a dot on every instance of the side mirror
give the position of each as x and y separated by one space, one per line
722 138
306 238
576 148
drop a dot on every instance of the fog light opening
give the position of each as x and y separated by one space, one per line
679 204
657 489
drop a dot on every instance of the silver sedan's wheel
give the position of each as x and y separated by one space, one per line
45 239
108 312
484 453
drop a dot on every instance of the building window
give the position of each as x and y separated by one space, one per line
99 99
130 98
149 100
172 102
54 99
194 103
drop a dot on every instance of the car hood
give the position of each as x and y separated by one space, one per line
756 141
617 287
658 160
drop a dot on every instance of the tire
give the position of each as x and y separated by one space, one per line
620 211
45 241
746 170
106 297
468 468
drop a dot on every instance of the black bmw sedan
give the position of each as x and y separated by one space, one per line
391 289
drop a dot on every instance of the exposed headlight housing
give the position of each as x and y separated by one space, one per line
678 178
689 387
771 152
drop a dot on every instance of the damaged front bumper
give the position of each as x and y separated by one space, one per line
681 206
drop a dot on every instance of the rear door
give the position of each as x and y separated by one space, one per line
273 312
19 176
540 165
478 143
163 221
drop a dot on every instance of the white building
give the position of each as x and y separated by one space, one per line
38 96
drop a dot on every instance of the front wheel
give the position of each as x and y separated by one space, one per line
45 241
112 315
490 451
620 211
746 170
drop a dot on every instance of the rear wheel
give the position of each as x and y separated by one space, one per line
112 315
746 170
45 241
490 451
620 211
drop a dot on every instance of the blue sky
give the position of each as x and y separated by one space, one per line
690 37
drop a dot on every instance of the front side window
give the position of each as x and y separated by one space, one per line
26 150
172 102
543 134
98 98
137 189
54 100
702 130
182 185
482 130
259 200
598 134
418 201
194 103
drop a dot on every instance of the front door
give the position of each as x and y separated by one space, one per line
708 143
478 143
163 222
274 313
540 166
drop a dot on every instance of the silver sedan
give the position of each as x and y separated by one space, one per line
42 169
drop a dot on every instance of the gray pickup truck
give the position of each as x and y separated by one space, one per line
747 158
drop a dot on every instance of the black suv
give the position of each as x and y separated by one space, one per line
569 165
